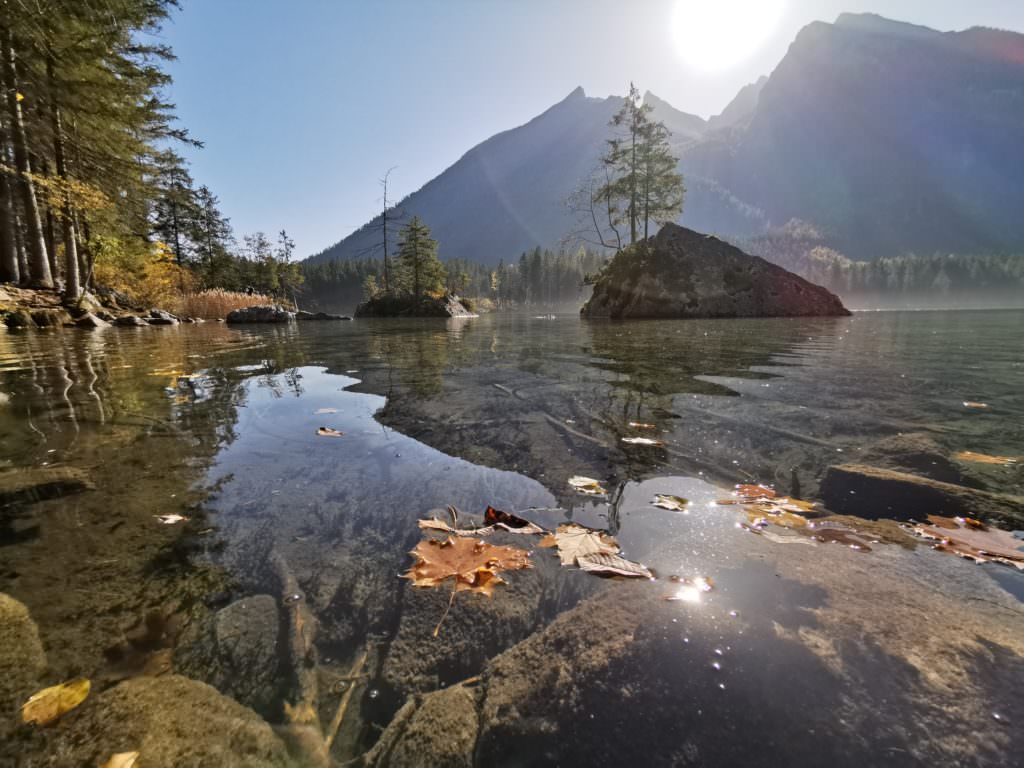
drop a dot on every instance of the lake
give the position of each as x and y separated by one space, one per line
754 646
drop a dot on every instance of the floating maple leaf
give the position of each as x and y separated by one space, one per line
51 703
613 565
592 550
674 503
587 485
474 565
972 539
511 523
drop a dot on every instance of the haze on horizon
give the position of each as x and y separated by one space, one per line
303 106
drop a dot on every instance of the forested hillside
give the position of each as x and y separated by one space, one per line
94 189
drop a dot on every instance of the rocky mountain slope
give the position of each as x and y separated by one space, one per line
888 137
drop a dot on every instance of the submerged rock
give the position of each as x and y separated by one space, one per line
627 678
29 484
686 274
308 316
50 318
89 320
18 319
872 492
171 721
161 317
387 305
236 651
261 314
22 660
130 321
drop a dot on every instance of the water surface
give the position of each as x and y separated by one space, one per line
219 424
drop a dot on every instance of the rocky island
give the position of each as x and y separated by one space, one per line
390 305
687 274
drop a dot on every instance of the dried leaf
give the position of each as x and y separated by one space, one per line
982 458
474 565
171 519
320 411
434 524
642 425
973 404
51 703
574 540
614 565
121 760
587 485
834 533
674 503
956 535
511 523
329 432
642 441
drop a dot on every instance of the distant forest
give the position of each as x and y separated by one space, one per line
908 280
540 278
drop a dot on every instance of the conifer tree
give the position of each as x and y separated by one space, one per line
419 270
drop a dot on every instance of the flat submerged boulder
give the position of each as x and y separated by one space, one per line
687 274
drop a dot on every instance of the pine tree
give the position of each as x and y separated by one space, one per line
419 270
640 170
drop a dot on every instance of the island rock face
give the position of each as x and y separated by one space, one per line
406 306
261 314
689 274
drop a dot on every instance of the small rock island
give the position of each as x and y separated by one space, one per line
680 273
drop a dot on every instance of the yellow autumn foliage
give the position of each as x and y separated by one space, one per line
148 274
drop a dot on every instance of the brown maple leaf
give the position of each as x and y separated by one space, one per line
473 564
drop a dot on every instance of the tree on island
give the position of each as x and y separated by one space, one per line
418 272
636 183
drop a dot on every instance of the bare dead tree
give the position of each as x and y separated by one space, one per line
595 211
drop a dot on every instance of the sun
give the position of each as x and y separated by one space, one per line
716 35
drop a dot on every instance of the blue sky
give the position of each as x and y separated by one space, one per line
303 104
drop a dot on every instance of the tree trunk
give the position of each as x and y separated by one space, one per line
49 229
71 275
19 243
9 269
39 267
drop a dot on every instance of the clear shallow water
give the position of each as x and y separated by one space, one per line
502 410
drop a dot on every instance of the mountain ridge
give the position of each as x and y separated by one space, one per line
887 136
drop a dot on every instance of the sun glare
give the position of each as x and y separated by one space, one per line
715 36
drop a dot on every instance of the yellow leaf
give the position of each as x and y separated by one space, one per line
121 760
51 703
983 458
19 96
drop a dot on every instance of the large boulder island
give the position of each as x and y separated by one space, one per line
683 273
390 305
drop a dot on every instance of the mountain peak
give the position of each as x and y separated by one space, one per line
880 25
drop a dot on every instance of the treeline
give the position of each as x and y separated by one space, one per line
92 186
540 277
800 248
